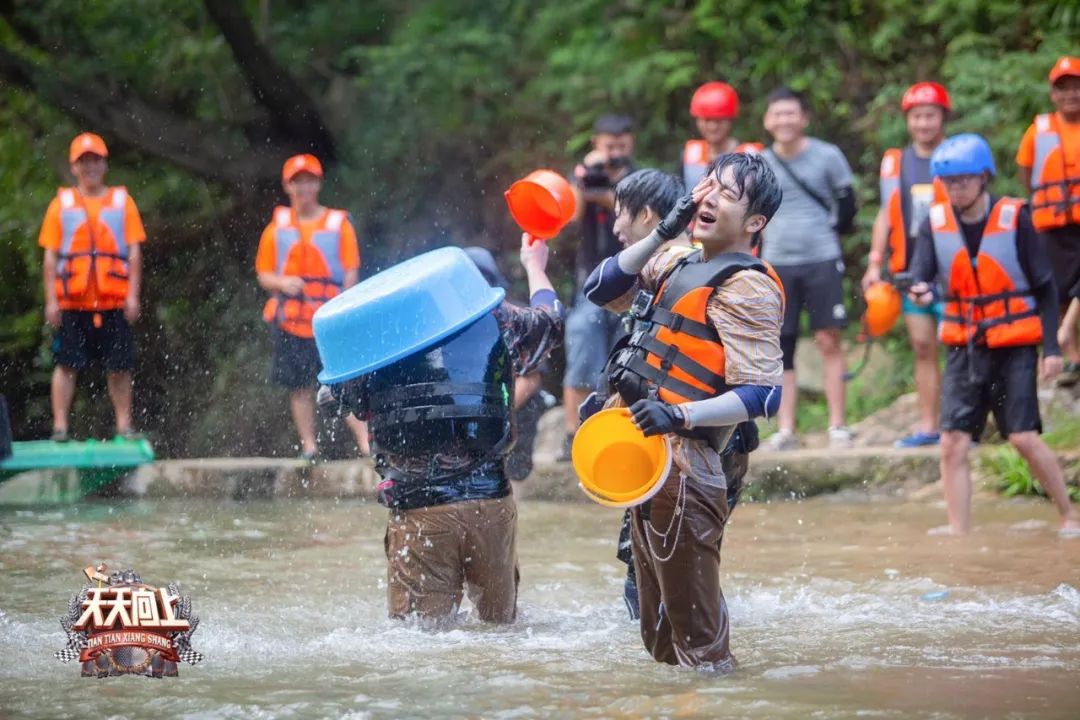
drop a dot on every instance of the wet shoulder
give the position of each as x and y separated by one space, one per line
749 288
662 262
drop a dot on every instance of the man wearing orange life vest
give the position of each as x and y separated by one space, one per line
1049 160
907 190
714 107
704 357
92 236
307 255
1000 305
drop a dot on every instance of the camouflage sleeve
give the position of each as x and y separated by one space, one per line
747 312
530 333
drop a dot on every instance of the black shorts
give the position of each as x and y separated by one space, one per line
86 335
1063 250
295 363
1001 381
817 287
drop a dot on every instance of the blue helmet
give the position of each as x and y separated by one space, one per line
963 154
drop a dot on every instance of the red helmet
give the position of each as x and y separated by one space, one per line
715 101
926 93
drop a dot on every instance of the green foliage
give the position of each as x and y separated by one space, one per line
1012 475
436 107
1063 433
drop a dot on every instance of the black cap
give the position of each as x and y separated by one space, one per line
485 263
613 124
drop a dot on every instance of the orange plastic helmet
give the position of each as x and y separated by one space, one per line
87 142
541 203
1065 66
926 93
301 163
883 306
715 101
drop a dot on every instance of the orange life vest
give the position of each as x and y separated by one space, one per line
891 189
1055 197
318 262
675 352
987 299
92 250
697 155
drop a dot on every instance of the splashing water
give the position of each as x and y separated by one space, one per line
825 597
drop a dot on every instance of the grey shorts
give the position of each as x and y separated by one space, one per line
591 332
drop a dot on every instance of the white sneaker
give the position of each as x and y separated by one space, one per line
782 440
841 437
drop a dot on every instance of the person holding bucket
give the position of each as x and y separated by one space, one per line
705 357
642 200
428 352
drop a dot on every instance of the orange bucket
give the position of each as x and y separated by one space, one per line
883 308
616 465
541 203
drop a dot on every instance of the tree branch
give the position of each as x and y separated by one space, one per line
202 148
293 112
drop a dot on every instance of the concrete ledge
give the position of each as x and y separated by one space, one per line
798 473
252 478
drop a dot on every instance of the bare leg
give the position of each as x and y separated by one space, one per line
1070 348
120 393
360 432
956 476
572 398
1047 470
63 393
302 405
921 331
789 401
835 365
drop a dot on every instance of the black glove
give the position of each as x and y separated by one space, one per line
592 405
680 216
656 418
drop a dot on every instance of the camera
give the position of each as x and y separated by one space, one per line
598 175
903 281
639 308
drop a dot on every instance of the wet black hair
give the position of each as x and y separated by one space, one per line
613 125
786 93
653 189
754 180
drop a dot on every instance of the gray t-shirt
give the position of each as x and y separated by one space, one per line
801 231
916 189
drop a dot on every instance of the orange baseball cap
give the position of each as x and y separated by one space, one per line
301 163
1065 66
87 143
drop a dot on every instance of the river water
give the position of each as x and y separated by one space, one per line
826 598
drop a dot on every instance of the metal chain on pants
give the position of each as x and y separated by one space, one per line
680 507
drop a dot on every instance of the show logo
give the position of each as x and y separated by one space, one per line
119 625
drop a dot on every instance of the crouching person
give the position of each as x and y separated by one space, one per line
705 356
427 352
